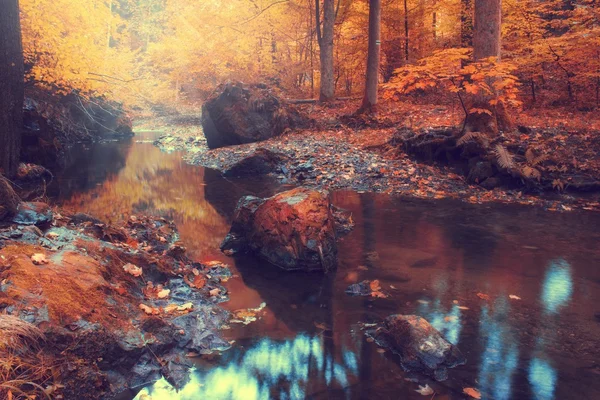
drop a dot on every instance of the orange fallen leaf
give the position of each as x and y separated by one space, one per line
472 392
375 286
149 310
483 296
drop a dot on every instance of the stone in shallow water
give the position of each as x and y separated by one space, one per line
419 345
294 230
35 213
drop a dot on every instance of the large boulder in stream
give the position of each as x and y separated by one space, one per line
419 345
294 230
238 113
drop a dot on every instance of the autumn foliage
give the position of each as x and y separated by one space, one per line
165 52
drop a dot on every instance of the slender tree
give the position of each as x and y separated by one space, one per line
11 86
369 103
406 32
325 39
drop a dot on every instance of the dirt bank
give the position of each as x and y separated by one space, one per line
112 307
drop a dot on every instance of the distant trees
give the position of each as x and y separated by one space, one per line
11 87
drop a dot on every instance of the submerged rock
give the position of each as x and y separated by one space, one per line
239 113
419 345
261 162
34 213
294 230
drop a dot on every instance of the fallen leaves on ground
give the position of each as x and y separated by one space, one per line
425 390
133 270
472 392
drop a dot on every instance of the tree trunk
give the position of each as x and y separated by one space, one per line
325 39
486 44
487 37
406 41
11 87
369 103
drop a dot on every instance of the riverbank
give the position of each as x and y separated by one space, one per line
364 155
92 310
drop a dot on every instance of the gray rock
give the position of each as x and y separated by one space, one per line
35 213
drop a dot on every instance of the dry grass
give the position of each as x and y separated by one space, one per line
23 367
16 334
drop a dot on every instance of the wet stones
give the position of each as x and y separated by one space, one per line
261 162
239 113
419 345
34 213
294 230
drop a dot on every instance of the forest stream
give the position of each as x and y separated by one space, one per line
516 288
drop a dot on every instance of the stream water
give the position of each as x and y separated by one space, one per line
517 289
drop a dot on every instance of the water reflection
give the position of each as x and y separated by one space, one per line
556 293
268 370
448 322
558 286
542 377
500 356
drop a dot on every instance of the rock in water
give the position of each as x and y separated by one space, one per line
261 162
419 345
294 230
9 201
239 113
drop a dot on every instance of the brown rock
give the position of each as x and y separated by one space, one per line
239 113
294 230
9 201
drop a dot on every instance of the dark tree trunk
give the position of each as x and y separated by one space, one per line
11 86
369 103
325 39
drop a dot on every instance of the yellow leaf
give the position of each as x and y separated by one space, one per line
39 259
133 270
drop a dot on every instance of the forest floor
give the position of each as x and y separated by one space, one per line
343 152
